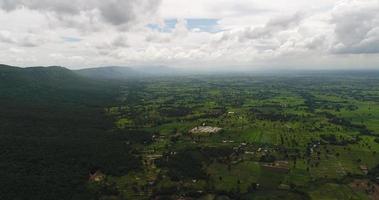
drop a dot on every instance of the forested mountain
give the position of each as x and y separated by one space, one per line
53 131
49 76
48 84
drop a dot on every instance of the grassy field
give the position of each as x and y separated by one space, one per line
281 138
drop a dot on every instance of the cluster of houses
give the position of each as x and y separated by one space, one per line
205 129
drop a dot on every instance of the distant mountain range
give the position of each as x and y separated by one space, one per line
30 74
11 76
59 84
120 73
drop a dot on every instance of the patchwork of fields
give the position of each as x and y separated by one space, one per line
304 137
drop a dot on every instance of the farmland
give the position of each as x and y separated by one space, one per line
294 137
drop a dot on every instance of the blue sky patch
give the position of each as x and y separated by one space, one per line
169 24
71 39
200 24
206 25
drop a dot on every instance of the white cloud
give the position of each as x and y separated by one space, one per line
116 12
6 36
356 27
249 33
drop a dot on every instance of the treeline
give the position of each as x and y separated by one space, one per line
362 129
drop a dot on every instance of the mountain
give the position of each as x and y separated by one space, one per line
121 73
46 84
110 72
54 131
157 70
33 76
59 85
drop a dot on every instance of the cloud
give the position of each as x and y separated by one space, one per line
356 27
156 37
109 44
278 35
6 36
273 26
71 39
115 12
31 40
170 32
15 50
193 33
120 41
23 40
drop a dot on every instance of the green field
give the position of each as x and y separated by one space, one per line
324 130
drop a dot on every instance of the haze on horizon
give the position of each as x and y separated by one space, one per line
191 34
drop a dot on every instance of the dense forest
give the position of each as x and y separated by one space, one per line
54 131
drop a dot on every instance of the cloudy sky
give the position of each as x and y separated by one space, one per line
254 34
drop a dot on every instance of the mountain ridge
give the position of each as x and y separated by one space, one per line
48 84
126 72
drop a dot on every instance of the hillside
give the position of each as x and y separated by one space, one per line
49 84
53 131
36 75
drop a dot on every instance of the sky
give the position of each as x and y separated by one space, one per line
193 34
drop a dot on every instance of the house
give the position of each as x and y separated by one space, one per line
96 176
205 129
364 169
279 166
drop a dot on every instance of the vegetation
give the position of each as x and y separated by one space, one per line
53 131
64 136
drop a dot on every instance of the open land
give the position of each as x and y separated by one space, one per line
277 137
